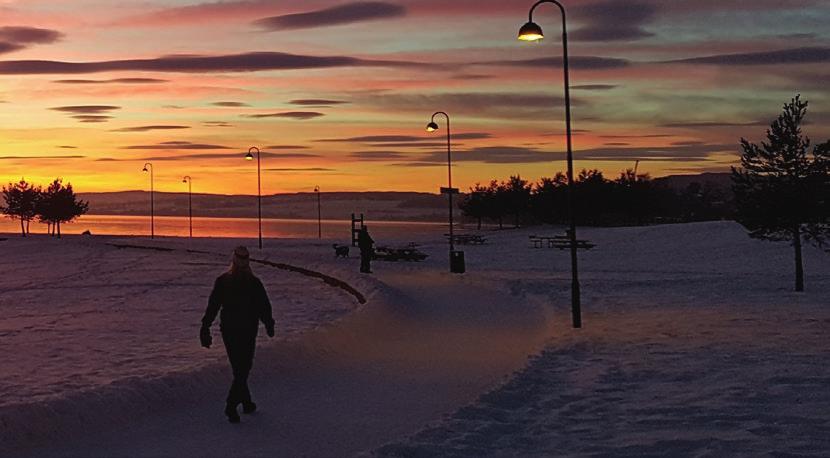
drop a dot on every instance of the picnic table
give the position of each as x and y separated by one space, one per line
408 253
559 241
467 239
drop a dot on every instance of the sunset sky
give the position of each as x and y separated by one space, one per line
338 93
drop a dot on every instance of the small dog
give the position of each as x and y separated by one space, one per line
341 251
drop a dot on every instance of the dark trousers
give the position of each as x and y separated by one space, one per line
366 261
240 347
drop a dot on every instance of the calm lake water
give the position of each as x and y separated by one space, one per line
230 227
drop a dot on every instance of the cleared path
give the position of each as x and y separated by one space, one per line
433 345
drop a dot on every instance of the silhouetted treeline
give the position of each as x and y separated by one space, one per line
53 206
626 200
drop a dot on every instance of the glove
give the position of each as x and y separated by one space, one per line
204 337
269 329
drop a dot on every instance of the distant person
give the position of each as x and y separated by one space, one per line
243 303
366 245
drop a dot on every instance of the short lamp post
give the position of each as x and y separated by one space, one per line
189 182
250 157
319 214
148 168
533 32
456 258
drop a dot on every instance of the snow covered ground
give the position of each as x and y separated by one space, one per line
82 319
694 345
80 313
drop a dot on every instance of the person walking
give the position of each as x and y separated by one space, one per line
240 299
366 245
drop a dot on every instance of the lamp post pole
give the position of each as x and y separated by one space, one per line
189 182
319 214
532 32
148 167
250 157
431 127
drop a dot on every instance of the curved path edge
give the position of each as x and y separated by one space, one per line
328 279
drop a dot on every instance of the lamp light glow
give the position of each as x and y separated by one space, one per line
531 32
432 127
249 157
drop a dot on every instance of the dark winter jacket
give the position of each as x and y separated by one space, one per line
365 241
243 303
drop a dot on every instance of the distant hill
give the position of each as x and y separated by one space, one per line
383 206
721 181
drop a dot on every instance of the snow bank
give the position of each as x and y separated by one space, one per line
694 345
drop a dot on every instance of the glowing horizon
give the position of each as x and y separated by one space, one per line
337 93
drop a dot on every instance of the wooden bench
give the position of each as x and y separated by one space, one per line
549 241
559 241
467 239
580 244
411 254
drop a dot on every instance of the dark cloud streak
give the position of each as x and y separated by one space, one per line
86 109
575 62
808 55
317 102
298 115
230 104
614 21
347 13
404 138
246 62
178 145
150 128
26 158
17 38
113 81
88 113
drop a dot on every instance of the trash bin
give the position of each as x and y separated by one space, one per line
457 262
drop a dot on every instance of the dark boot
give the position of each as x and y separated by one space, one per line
248 407
233 415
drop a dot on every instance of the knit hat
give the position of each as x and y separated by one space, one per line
241 258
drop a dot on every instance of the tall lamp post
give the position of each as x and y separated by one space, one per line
319 214
532 32
250 157
189 182
455 266
148 167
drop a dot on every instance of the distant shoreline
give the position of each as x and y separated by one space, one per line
120 225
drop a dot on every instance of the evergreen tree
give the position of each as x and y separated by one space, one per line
59 205
517 196
782 188
548 202
498 202
476 202
21 201
591 197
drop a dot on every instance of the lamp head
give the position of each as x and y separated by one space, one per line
432 126
184 180
144 169
316 189
249 156
531 32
